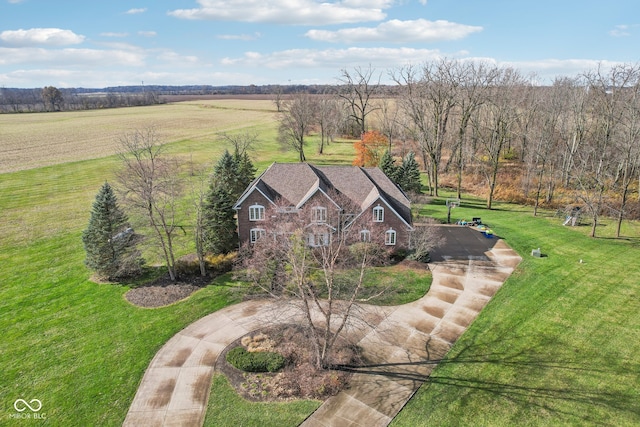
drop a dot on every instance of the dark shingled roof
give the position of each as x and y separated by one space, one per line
296 182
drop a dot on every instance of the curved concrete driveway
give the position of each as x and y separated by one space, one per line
402 343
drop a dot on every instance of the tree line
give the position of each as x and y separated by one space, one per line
51 98
575 141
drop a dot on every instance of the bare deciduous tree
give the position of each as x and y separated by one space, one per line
474 80
151 185
627 147
429 98
358 89
242 142
296 121
494 124
608 91
329 117
546 139
318 265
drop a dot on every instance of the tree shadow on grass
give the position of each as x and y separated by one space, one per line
547 379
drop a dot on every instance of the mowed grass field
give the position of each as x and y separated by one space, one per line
558 345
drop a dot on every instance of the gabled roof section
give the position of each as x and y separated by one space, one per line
295 183
366 185
391 192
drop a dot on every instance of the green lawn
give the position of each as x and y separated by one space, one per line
227 408
560 342
558 345
77 346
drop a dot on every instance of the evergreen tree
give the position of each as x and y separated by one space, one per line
231 175
219 224
109 241
409 174
246 170
388 166
227 173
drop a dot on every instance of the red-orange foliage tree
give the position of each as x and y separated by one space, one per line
370 148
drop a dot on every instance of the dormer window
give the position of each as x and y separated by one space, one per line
378 214
319 214
256 213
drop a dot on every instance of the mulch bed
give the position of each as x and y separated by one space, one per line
163 291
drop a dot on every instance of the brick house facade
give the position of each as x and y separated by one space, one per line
324 192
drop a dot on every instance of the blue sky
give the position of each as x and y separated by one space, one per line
81 43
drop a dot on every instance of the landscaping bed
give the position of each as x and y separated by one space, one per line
163 291
299 379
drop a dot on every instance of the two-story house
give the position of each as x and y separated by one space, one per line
324 191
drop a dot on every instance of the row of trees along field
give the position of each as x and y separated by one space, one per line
481 127
50 98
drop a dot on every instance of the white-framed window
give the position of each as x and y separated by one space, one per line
318 239
390 237
378 214
256 233
256 213
319 214
365 235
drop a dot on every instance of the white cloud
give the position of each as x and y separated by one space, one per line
70 57
15 1
173 58
294 12
621 31
243 37
118 77
548 69
396 31
334 59
40 37
136 11
147 33
114 34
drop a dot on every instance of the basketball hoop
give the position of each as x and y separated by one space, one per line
451 203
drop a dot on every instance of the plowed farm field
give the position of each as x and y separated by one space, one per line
33 140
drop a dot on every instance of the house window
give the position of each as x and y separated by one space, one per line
318 239
256 213
319 214
257 233
365 236
390 238
378 214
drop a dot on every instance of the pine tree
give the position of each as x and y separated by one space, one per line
388 166
231 175
108 240
246 170
409 174
219 224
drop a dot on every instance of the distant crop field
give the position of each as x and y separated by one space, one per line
34 140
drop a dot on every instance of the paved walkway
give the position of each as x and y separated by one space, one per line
403 343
